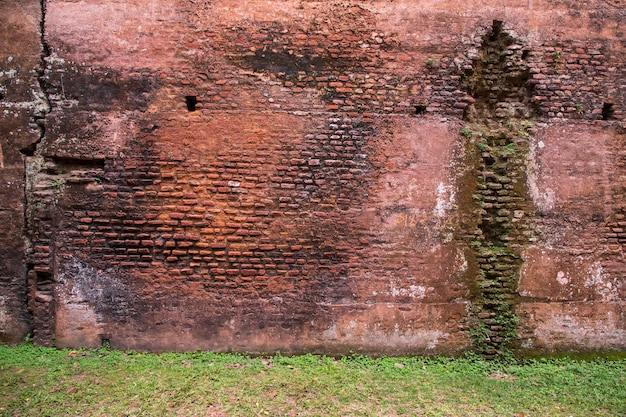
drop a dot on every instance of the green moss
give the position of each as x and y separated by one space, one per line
483 147
467 133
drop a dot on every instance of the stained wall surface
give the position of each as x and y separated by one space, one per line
384 177
22 106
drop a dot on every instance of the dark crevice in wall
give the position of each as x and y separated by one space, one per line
498 223
65 165
608 112
191 102
420 109
40 114
38 213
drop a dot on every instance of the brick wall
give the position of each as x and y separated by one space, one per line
312 176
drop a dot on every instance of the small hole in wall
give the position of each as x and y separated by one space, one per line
28 150
608 112
420 109
191 102
496 29
1 96
43 279
525 54
105 340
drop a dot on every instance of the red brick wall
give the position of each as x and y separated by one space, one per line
291 176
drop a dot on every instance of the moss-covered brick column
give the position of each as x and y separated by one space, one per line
497 222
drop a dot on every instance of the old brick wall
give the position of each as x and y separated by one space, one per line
326 176
22 105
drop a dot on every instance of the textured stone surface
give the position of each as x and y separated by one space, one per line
297 175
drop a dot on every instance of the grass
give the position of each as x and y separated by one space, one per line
37 381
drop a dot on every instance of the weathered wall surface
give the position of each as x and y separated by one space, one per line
22 104
389 176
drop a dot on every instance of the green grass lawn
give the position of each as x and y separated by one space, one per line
38 381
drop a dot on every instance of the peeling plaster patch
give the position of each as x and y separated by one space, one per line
414 291
83 284
543 200
445 200
557 329
460 261
601 283
397 337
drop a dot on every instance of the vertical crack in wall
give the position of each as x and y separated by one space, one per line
497 129
43 63
43 102
38 210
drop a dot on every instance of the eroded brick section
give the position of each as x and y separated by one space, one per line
499 226
572 81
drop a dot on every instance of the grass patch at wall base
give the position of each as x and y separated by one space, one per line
38 381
